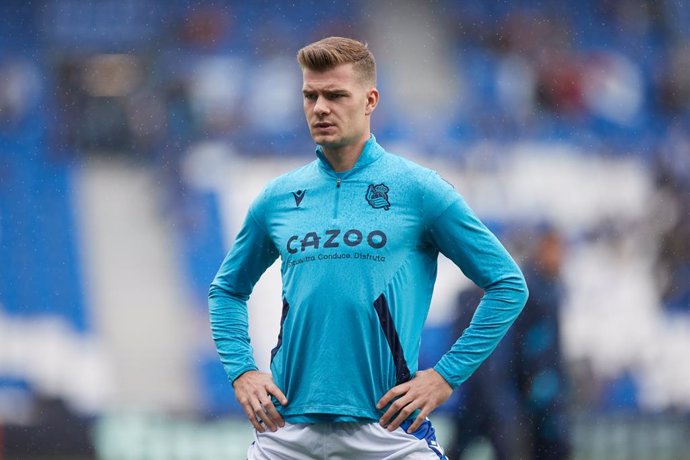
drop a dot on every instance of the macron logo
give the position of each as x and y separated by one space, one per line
299 195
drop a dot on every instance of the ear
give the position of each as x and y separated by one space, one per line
372 100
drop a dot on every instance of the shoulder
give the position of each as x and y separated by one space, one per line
291 180
410 170
421 186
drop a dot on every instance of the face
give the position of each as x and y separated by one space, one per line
337 105
550 254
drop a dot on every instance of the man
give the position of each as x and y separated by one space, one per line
358 231
516 400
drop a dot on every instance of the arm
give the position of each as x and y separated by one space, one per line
459 234
252 253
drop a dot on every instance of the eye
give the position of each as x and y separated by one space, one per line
310 96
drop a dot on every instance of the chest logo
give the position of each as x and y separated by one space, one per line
377 196
299 195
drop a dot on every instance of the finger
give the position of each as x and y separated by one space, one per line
390 394
252 418
260 412
394 408
275 416
275 391
417 422
403 415
271 412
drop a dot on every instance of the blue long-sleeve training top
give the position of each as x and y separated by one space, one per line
358 260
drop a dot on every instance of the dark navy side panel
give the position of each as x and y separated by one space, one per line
402 372
286 307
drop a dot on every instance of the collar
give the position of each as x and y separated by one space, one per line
371 152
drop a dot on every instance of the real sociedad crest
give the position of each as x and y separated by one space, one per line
377 196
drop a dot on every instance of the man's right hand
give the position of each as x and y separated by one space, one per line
253 390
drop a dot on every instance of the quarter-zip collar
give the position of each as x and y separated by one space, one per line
371 152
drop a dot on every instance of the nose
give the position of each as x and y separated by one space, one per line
321 107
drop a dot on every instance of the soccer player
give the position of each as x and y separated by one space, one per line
358 231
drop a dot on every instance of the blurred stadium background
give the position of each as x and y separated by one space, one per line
134 133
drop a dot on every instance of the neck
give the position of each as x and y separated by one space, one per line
343 158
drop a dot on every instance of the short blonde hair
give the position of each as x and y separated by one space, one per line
330 52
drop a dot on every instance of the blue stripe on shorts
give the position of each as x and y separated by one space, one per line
426 432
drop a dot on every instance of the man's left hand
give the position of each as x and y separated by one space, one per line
426 391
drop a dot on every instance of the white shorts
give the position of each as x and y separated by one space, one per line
340 441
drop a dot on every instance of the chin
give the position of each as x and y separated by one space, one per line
325 141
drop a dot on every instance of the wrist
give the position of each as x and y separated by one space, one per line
240 373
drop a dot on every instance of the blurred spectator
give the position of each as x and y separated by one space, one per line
490 405
19 87
517 398
673 182
95 99
673 81
545 42
612 87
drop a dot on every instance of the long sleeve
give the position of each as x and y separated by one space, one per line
252 253
460 236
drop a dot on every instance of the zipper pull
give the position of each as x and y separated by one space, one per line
337 183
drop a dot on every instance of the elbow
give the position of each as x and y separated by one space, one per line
219 291
213 290
511 290
516 291
522 291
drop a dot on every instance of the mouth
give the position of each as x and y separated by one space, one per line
323 125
